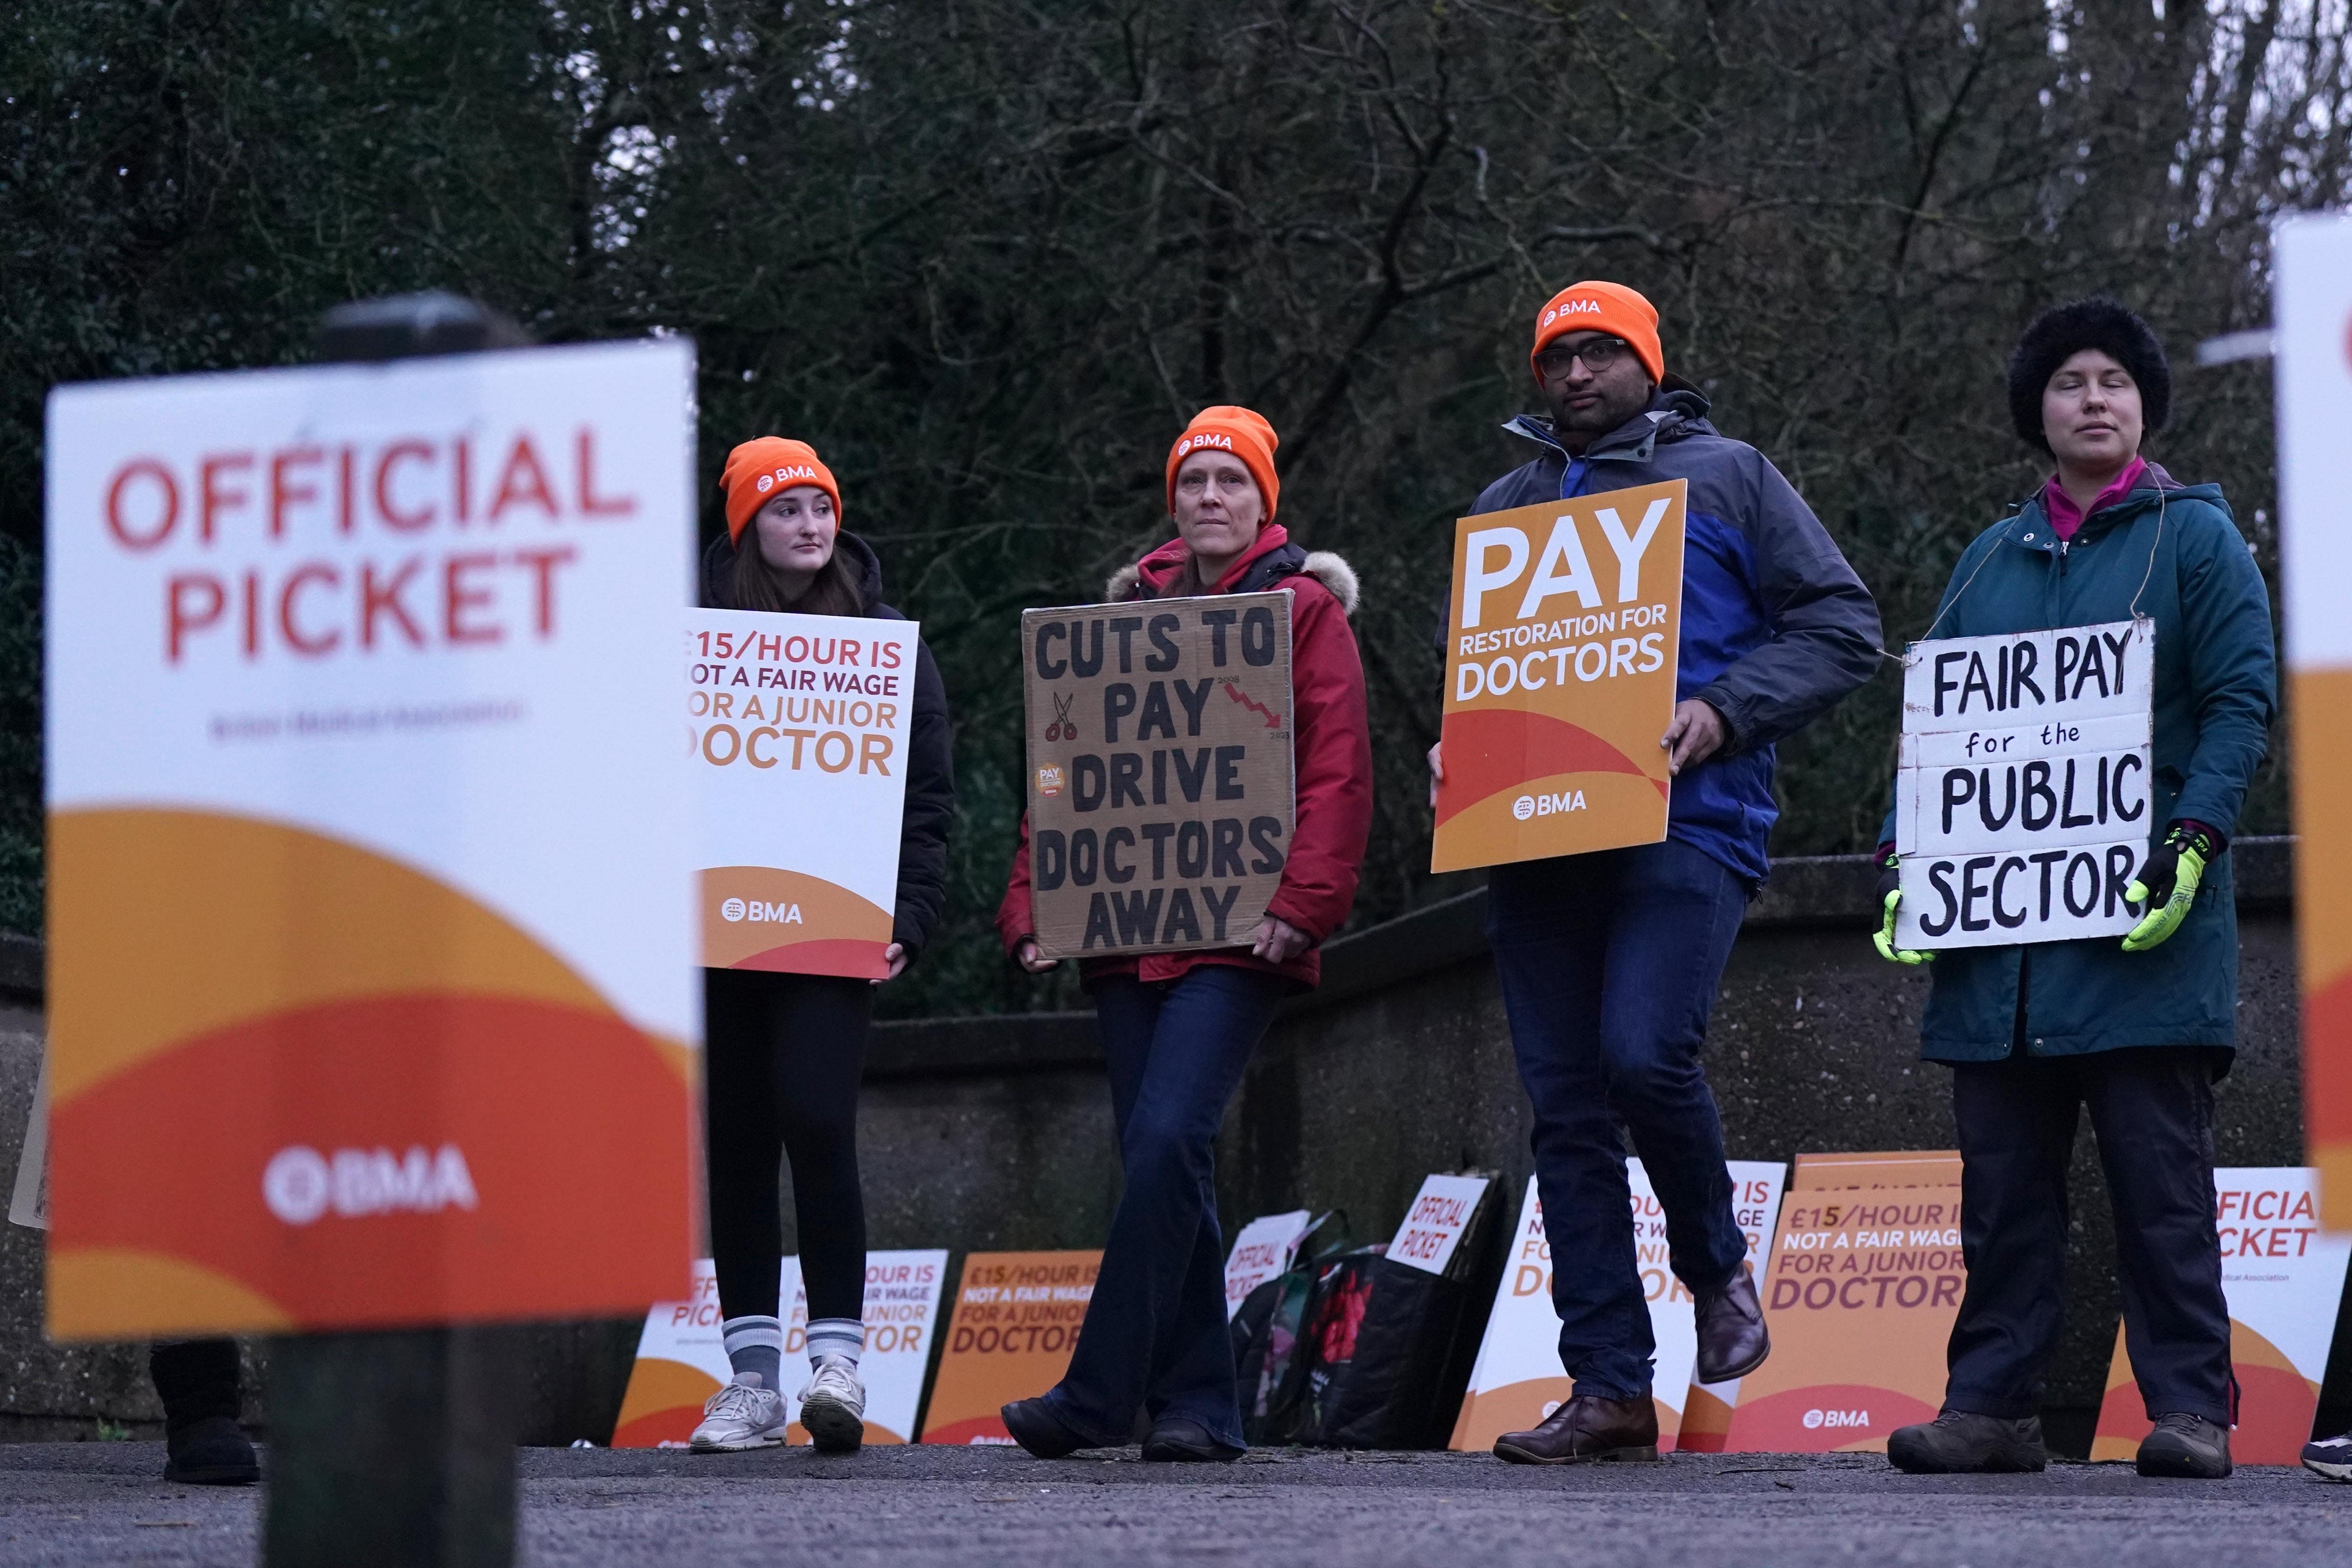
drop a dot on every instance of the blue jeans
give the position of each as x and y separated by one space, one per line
1154 1337
1610 964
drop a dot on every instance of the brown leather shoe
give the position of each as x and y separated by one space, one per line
1732 1340
1586 1430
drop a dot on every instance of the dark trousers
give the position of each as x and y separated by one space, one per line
2152 1108
195 1379
779 1077
1609 965
1154 1337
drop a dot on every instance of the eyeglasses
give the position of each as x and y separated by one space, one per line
1598 355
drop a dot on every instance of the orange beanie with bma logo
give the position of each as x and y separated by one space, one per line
759 469
1596 307
1244 432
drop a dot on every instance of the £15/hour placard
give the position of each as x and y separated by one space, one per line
2023 797
798 726
1160 780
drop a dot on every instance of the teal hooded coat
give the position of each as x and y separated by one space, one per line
2177 553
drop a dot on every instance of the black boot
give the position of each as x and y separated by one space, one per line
1961 1442
2186 1447
202 1445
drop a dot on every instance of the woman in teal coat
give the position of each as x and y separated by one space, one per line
2137 1029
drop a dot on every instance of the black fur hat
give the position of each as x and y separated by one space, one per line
2062 332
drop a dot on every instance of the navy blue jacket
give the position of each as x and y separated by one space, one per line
1775 627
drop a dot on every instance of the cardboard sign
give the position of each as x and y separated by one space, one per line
1017 1321
371 992
1519 1379
1159 772
1864 1290
1262 1249
2284 1279
2022 795
682 1357
1433 1226
799 727
2313 302
1564 627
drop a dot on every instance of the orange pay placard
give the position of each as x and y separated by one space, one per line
371 980
1560 647
1016 1320
1865 1288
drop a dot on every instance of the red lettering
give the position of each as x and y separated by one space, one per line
181 619
282 493
147 468
591 503
400 452
457 597
384 598
211 499
522 481
311 647
543 564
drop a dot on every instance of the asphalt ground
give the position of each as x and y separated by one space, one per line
105 1503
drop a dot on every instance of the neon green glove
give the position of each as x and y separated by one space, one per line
1890 893
2167 884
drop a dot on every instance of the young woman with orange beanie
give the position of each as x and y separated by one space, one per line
784 1052
1179 1028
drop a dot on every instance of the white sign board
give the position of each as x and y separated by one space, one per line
1433 1226
682 1359
2022 795
799 727
1519 1379
1262 1249
362 760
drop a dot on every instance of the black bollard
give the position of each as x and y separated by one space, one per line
395 1450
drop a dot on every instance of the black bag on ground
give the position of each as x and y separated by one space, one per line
1374 1345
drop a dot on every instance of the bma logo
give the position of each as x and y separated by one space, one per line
1203 442
801 472
300 1185
735 909
1528 805
1572 308
1817 1419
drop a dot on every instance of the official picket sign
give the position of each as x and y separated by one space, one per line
1262 1249
2023 792
1161 778
797 726
1561 645
370 966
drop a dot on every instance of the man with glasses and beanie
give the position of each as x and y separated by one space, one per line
1609 961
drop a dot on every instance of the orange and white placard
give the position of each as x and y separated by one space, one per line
1519 1379
799 727
1017 1321
371 958
682 1355
2283 1279
2315 436
1560 647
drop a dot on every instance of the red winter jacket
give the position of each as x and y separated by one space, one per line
1331 751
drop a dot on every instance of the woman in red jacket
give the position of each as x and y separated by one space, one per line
1178 1028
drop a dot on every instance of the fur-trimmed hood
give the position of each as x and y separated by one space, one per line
1268 561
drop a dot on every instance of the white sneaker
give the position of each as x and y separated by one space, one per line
743 1414
833 1406
2330 1457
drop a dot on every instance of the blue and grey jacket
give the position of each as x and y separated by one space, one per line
1776 627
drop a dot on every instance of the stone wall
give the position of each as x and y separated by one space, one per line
993 1133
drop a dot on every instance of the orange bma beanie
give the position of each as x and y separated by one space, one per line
1595 307
758 470
1227 428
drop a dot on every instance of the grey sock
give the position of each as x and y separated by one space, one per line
843 1337
756 1344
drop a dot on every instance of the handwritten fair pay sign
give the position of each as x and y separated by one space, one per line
1159 770
362 761
1560 678
798 726
2022 799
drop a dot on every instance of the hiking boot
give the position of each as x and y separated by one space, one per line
1732 1340
2185 1447
743 1414
833 1406
1962 1442
1039 1430
1182 1441
1586 1429
2330 1457
212 1452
